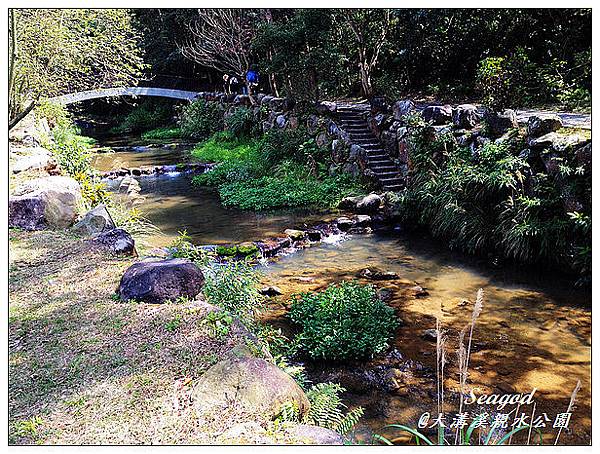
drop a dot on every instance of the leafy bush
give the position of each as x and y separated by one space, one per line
56 114
344 322
201 119
233 288
144 117
241 122
182 247
163 133
281 170
74 155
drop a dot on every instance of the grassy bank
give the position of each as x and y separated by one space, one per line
280 170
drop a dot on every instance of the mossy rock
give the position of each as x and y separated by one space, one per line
247 249
227 251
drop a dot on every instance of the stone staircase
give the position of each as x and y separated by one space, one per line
352 121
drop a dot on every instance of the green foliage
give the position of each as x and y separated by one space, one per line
74 155
241 122
164 133
218 324
182 247
147 116
267 193
283 169
59 51
200 119
493 200
173 324
56 114
344 322
326 409
494 82
233 288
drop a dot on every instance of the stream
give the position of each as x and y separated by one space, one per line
534 331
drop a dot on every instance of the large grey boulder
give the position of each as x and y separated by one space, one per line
369 204
95 221
402 108
438 115
35 158
466 116
251 383
501 123
159 281
49 202
539 125
117 241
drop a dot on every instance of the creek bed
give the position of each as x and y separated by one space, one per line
534 331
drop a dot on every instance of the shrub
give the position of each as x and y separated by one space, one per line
233 288
145 116
56 114
241 122
344 322
494 201
201 119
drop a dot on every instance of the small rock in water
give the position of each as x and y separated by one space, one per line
418 291
377 275
270 291
314 235
429 334
344 223
362 220
296 235
385 294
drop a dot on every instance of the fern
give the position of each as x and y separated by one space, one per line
327 409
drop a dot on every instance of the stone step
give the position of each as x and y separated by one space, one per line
384 175
384 168
393 188
391 180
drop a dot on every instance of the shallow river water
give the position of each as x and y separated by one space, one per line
534 330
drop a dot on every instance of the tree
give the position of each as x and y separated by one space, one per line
222 39
369 29
59 51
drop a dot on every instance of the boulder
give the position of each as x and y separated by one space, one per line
438 115
501 123
349 203
402 108
344 223
539 125
362 220
314 235
95 221
369 204
117 241
158 281
280 121
296 235
326 107
466 116
36 158
45 202
377 275
315 435
251 383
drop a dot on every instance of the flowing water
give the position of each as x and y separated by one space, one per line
534 331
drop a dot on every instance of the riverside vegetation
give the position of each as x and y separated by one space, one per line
93 362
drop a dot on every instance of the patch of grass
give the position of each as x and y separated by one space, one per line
269 173
173 324
163 133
